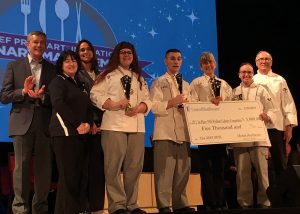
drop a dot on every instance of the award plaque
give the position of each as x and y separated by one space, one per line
216 87
237 97
178 78
126 84
179 82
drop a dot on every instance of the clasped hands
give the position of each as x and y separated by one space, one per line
216 100
132 111
29 84
123 105
178 100
83 128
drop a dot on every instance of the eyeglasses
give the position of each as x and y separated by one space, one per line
246 72
126 52
85 49
264 59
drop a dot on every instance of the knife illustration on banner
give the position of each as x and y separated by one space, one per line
78 32
42 15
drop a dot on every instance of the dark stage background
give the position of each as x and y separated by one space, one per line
246 27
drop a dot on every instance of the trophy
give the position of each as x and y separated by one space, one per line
237 97
216 87
179 82
126 84
178 78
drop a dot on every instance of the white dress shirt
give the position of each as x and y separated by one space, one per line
36 70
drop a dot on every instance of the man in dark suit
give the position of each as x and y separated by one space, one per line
25 85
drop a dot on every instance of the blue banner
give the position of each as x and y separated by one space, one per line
152 26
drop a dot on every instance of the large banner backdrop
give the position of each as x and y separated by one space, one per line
152 26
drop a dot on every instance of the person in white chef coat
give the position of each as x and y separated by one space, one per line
121 91
280 132
172 162
253 155
210 88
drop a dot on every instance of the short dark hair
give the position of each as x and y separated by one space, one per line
246 63
172 50
63 56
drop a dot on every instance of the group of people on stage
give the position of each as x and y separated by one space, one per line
94 123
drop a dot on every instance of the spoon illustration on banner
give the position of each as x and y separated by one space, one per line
62 12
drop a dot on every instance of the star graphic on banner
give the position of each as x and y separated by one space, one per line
133 36
153 76
152 32
144 64
169 18
192 17
191 66
189 46
178 6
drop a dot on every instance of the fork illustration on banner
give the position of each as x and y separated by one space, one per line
25 9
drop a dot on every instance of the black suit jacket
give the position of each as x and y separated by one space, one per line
23 107
71 106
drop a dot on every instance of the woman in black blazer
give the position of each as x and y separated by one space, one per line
95 190
70 122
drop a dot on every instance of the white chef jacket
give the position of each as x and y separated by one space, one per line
111 88
260 94
282 99
201 89
170 124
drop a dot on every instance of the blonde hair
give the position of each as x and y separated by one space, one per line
206 57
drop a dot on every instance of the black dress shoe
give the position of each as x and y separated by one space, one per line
164 210
138 211
184 210
121 211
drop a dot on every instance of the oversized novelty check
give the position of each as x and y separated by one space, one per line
229 122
